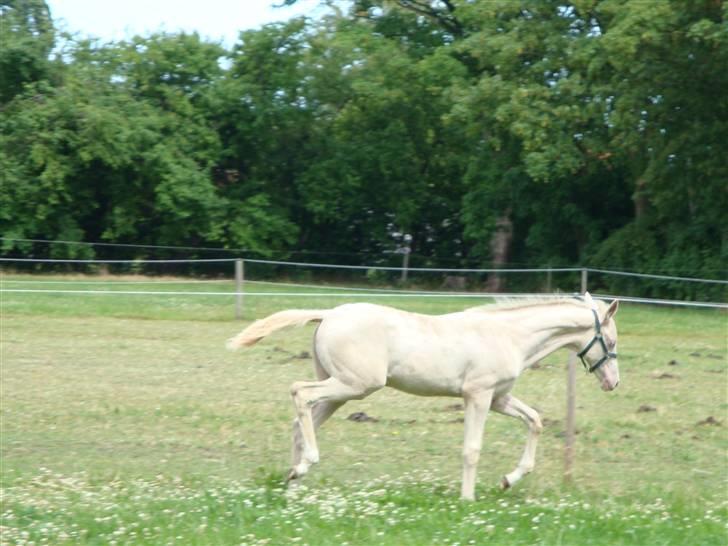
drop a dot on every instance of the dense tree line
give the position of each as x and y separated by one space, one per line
493 131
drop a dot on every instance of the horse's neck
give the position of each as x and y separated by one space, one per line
547 328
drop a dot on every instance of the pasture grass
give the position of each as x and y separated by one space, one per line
413 509
124 420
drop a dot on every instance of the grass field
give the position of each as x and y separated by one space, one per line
125 421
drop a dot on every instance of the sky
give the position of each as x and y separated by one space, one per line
219 20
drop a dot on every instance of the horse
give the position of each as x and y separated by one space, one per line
476 354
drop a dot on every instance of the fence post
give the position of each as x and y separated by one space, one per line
548 280
405 265
239 278
406 249
570 436
570 419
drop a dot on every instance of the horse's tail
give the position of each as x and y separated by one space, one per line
277 321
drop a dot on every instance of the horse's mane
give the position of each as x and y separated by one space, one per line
507 303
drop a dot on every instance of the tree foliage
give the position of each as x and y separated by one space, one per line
27 38
595 130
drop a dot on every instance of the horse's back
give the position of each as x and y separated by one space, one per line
416 353
358 325
370 322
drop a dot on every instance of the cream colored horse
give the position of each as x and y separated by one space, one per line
477 354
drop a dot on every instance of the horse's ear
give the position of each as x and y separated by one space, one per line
611 311
588 299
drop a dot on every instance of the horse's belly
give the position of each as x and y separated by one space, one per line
407 379
429 365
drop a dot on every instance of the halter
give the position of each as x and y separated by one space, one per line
598 337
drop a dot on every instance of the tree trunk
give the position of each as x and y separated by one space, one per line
640 199
500 248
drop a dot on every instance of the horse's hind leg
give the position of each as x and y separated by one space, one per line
305 395
512 406
321 412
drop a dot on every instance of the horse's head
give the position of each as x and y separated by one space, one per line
599 352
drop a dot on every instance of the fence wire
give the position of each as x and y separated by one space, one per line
324 290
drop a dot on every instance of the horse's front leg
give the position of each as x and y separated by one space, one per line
512 406
477 405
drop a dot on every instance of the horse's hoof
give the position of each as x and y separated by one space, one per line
505 484
292 475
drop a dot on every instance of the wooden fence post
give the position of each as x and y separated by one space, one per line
405 265
548 280
239 278
570 433
570 419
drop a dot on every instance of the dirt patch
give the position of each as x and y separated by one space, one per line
547 423
709 355
361 417
644 408
291 356
664 375
454 407
710 420
673 363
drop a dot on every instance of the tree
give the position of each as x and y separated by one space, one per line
492 131
26 40
263 122
660 73
617 98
